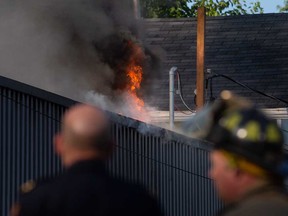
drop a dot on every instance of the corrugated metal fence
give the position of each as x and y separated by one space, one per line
173 167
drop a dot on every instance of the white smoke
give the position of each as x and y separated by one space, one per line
124 105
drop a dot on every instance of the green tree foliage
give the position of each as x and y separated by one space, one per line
188 8
283 8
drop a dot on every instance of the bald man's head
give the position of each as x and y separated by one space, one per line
85 127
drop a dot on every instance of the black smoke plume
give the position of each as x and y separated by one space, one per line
72 46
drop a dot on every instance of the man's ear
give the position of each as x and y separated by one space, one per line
58 144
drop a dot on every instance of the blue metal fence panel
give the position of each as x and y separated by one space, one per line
27 125
173 167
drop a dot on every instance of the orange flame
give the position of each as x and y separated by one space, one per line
135 74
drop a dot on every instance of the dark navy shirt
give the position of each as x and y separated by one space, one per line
87 189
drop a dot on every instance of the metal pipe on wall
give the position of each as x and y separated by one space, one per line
171 96
137 12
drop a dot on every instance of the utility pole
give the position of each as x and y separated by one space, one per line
201 21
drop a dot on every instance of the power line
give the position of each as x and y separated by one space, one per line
28 107
160 162
180 93
247 87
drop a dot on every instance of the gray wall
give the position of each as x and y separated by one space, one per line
173 167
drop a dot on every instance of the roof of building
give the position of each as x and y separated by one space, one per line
252 49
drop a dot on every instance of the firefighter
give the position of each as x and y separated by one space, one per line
248 162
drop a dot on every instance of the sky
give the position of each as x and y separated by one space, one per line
270 6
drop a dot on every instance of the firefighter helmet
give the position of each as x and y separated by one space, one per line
235 125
